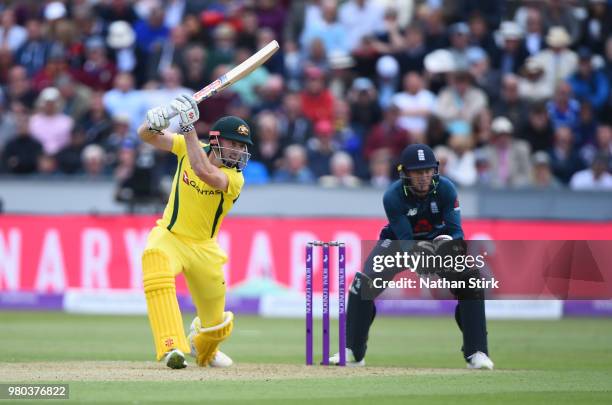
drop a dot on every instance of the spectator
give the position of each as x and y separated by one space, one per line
436 133
480 35
122 39
596 26
119 139
49 125
21 153
294 126
389 38
481 128
411 52
510 104
341 73
295 167
534 35
69 158
193 66
538 129
267 149
224 46
461 164
76 97
589 84
34 52
563 109
246 37
380 168
459 103
124 99
55 67
97 72
387 75
321 148
387 135
415 104
168 53
360 18
542 173
341 165
116 10
96 123
317 100
93 157
8 124
558 61
271 94
533 86
271 14
151 32
560 13
512 54
434 26
564 158
329 30
249 88
12 35
508 157
602 145
459 43
587 125
596 178
365 111
484 77
19 87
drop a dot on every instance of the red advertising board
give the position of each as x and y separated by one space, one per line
54 253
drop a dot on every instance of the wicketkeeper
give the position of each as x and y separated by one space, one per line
424 219
207 183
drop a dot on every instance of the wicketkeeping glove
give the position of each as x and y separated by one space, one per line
187 109
158 118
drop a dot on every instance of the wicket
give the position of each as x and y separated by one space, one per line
325 296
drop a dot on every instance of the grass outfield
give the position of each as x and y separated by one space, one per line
413 360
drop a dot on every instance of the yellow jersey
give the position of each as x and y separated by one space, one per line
196 210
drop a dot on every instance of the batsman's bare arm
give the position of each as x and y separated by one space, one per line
201 164
160 139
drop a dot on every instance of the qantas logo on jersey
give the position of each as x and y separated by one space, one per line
194 184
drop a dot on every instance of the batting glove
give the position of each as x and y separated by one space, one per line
158 118
187 109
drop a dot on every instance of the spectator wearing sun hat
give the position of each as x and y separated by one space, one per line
558 60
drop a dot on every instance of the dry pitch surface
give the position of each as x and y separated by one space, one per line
150 371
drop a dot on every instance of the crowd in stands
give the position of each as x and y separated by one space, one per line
508 93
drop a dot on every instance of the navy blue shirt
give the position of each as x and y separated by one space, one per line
411 217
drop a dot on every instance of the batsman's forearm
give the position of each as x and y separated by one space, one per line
200 163
146 134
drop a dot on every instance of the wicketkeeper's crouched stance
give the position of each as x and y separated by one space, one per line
423 213
207 182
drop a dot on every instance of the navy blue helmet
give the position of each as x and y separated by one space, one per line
416 157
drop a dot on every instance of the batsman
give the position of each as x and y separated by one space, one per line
423 219
207 183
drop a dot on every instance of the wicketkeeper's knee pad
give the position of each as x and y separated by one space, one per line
160 292
207 341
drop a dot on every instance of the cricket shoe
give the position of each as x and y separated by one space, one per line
479 361
175 359
350 359
221 360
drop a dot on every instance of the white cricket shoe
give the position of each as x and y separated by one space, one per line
221 360
175 359
350 359
479 361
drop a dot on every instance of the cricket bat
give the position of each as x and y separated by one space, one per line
237 73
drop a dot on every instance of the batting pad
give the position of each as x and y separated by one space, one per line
162 305
207 341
